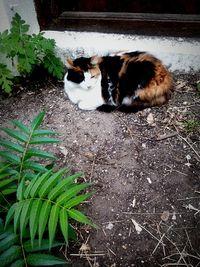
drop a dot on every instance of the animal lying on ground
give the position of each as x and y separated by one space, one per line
128 82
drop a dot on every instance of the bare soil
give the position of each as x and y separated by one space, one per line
145 168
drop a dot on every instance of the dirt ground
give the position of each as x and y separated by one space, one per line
145 168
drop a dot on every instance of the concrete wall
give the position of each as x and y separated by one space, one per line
178 54
25 8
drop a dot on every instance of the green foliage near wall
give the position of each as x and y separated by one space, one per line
26 52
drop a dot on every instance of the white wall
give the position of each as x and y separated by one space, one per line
179 54
25 8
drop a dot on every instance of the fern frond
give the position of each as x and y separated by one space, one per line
15 134
14 252
44 260
12 146
21 126
10 255
37 121
41 208
21 153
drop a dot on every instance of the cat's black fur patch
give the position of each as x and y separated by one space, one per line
75 76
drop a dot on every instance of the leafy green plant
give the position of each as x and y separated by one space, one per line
39 203
192 125
28 51
15 253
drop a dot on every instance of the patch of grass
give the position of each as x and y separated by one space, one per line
192 125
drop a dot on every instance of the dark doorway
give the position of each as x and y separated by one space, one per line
149 17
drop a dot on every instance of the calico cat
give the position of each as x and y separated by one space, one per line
128 82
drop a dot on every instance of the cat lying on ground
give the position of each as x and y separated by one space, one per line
128 82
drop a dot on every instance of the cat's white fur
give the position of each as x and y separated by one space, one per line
87 95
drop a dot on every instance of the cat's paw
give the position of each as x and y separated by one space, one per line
86 106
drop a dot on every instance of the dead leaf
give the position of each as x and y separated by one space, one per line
89 155
110 226
165 216
133 203
150 119
137 226
64 150
85 248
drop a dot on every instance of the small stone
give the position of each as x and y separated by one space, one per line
110 226
165 216
150 119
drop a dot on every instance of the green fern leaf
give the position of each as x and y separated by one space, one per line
63 198
4 175
12 146
37 121
38 183
17 213
44 260
77 200
6 182
12 158
8 241
43 219
25 212
30 186
15 134
42 132
34 166
20 189
50 183
18 263
21 126
64 224
11 254
34 215
43 140
53 220
10 214
4 167
29 247
62 185
9 191
80 217
39 153
5 232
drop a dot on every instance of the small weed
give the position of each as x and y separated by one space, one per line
192 125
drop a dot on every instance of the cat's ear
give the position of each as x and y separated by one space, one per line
69 63
95 60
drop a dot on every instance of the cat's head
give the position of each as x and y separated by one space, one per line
84 71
